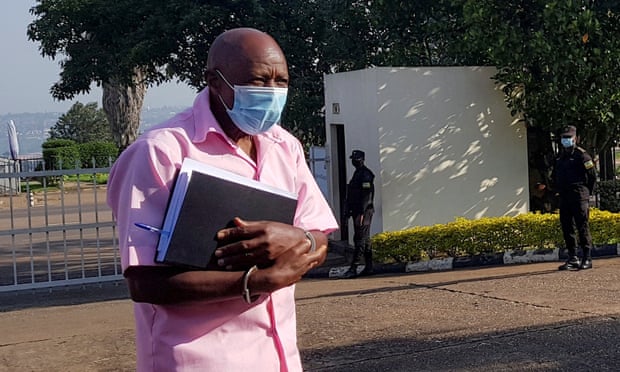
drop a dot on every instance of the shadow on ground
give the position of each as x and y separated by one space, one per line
586 345
63 296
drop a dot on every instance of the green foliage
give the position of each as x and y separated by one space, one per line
98 41
57 142
60 154
558 61
487 235
82 123
97 154
98 178
419 33
101 41
609 192
67 154
40 185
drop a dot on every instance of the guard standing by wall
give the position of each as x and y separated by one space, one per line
359 205
574 177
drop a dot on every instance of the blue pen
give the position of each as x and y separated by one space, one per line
151 228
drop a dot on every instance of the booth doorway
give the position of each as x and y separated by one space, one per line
339 175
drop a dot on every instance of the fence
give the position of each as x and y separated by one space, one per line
56 229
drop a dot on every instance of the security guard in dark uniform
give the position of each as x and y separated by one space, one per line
574 177
359 205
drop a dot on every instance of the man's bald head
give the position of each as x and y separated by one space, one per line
241 45
242 57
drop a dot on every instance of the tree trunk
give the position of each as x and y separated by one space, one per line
122 105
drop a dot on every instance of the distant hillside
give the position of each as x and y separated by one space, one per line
33 128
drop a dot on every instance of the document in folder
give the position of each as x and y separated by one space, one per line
204 200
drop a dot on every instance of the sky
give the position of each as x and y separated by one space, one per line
26 77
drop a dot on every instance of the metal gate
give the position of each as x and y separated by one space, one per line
56 230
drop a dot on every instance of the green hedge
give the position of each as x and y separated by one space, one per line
60 154
97 154
66 154
486 235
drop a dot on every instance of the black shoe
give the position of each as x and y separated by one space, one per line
571 265
586 264
350 274
367 272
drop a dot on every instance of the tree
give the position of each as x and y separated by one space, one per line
82 124
128 45
297 25
122 46
558 62
419 33
332 36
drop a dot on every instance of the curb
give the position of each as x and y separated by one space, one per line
512 257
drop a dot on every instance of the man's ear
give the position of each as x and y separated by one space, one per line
213 79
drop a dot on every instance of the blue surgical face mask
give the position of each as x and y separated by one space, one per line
568 142
255 109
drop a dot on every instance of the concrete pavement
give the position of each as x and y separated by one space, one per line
508 318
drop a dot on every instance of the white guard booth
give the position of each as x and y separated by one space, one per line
440 141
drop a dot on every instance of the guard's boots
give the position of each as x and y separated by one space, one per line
586 264
368 270
586 261
572 264
351 273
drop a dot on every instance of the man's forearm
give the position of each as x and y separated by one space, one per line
169 285
174 285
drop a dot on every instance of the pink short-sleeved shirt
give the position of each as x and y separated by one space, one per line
227 335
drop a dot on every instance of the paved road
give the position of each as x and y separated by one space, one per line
509 318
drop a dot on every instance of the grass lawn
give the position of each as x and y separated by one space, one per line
35 185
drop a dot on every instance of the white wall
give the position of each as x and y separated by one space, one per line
356 94
440 140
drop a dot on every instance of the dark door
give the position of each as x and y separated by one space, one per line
339 148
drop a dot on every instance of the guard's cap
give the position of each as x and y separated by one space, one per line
357 155
569 130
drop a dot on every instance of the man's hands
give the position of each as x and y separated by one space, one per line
282 252
256 243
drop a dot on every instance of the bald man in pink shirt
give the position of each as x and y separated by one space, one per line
207 320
